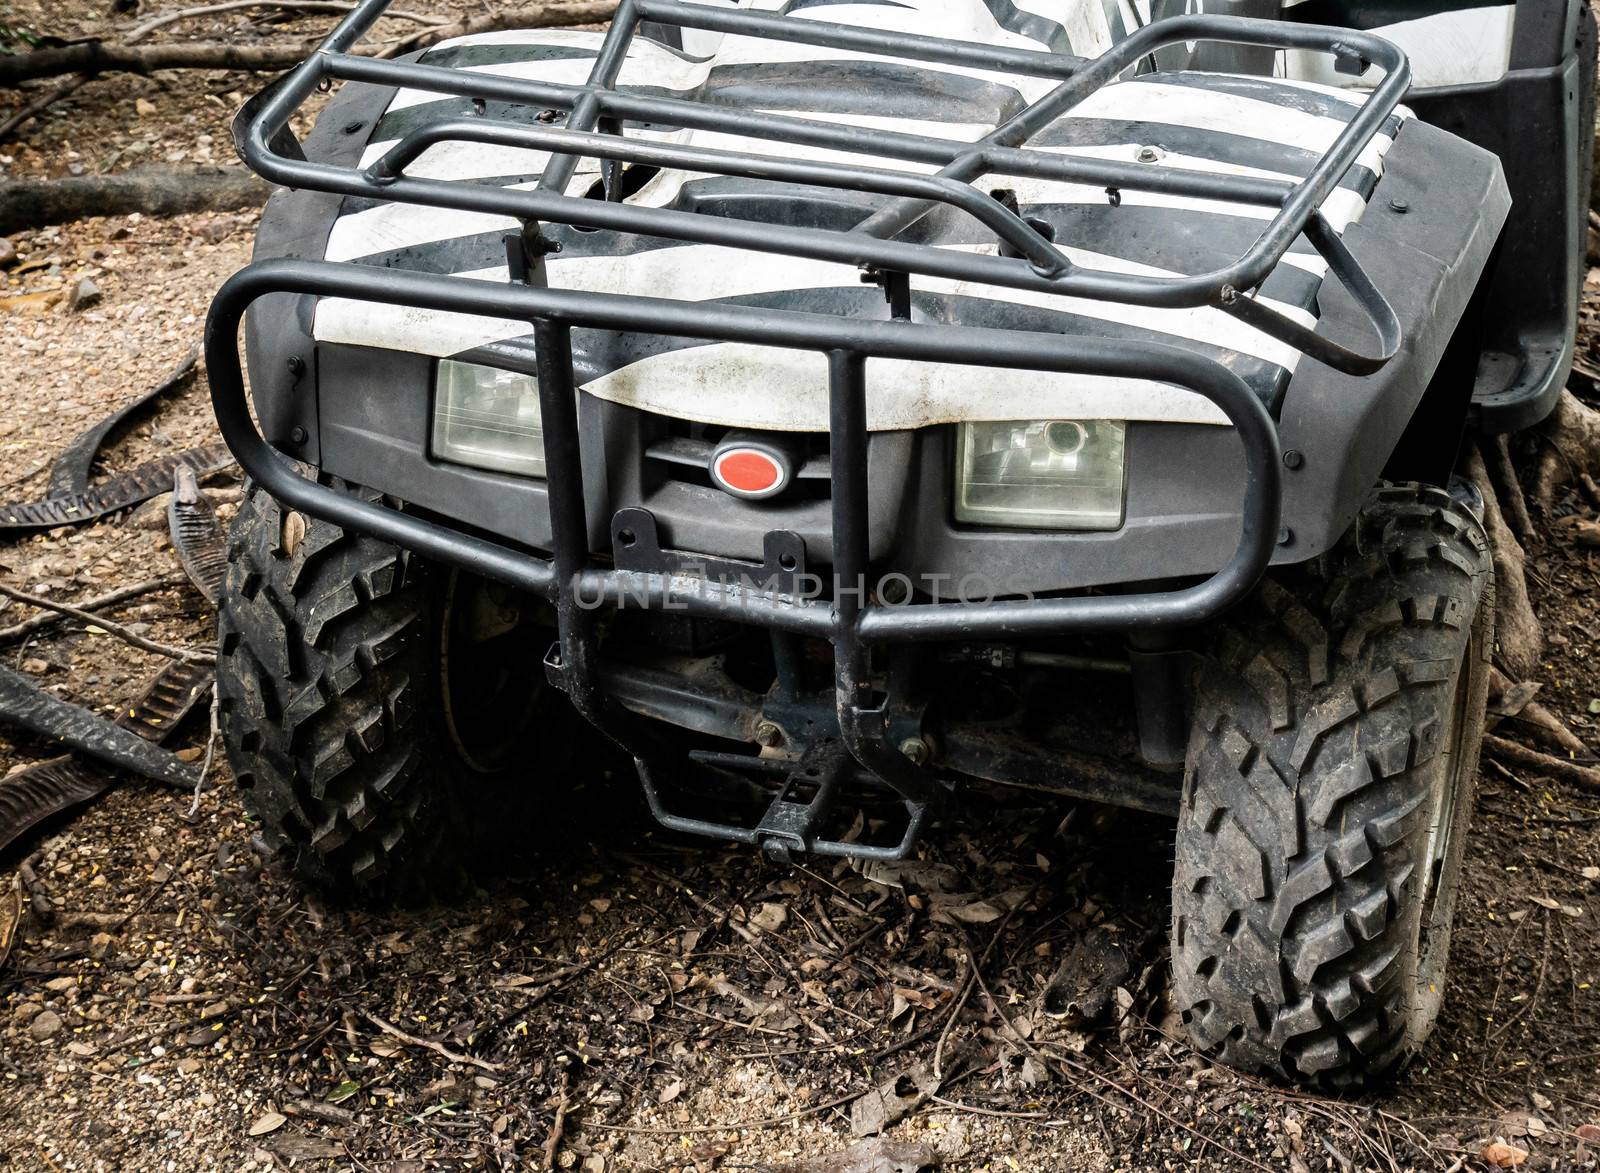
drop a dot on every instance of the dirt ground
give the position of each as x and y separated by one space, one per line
627 999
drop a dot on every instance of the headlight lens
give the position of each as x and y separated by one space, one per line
1041 474
488 418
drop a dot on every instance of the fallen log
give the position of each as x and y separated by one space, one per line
95 56
154 191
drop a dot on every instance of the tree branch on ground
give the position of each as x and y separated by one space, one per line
127 636
288 7
41 102
573 12
110 599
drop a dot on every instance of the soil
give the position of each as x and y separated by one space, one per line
174 999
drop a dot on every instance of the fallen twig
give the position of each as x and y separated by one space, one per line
41 102
437 1048
1519 637
211 749
187 655
559 1126
307 7
1074 1064
110 599
1514 502
751 1125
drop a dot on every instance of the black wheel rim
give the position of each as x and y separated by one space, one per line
488 641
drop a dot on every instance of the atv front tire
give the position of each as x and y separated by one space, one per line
1329 783
362 752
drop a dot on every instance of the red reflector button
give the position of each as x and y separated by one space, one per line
748 472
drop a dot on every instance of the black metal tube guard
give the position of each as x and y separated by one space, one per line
569 576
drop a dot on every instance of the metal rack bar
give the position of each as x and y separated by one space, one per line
1041 266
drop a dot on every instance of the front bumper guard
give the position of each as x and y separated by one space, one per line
576 584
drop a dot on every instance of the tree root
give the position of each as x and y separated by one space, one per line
1550 766
1519 637
1570 448
1513 501
1514 702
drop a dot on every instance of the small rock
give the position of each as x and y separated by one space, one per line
47 1024
25 1013
35 666
60 985
8 253
144 108
189 1066
84 294
214 1010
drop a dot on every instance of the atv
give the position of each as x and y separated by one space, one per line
840 404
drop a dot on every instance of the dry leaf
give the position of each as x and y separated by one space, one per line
1589 1132
293 533
270 1122
671 1092
1591 873
1504 1156
1516 698
1546 902
979 912
706 1154
770 917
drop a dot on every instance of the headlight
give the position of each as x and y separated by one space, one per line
488 418
1041 474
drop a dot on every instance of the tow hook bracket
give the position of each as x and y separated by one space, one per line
805 802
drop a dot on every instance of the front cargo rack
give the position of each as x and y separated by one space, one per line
595 113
